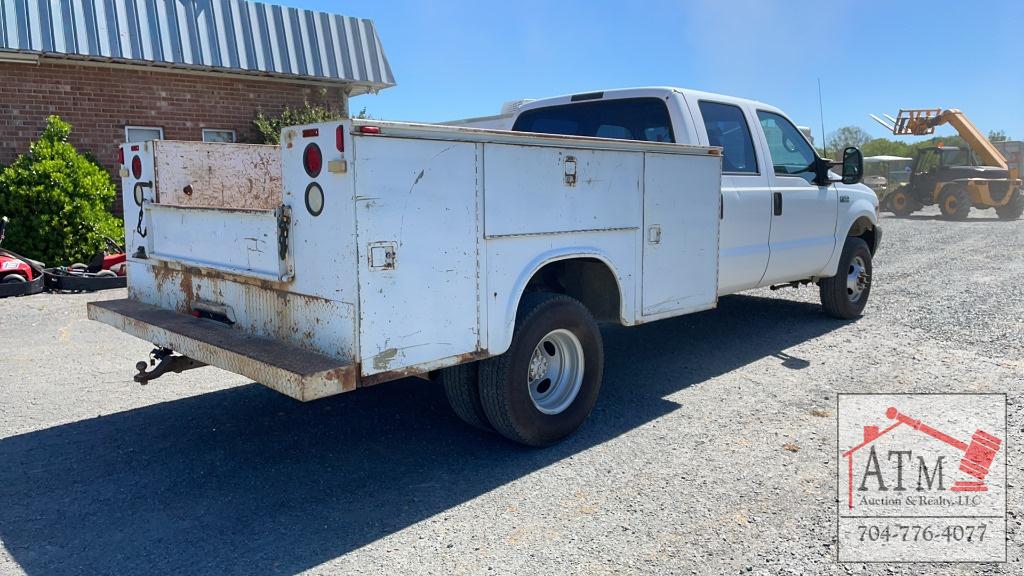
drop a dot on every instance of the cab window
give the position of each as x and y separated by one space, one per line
957 157
624 119
727 127
927 160
791 154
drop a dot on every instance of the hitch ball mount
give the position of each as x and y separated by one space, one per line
162 361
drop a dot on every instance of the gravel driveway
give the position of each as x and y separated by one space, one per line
681 468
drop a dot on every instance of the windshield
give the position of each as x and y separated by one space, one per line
959 157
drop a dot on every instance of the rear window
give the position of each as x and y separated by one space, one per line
644 119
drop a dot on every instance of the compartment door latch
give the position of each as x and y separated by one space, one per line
570 170
382 255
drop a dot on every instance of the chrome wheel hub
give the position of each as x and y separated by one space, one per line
555 372
856 279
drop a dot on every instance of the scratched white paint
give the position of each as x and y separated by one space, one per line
421 196
239 241
218 175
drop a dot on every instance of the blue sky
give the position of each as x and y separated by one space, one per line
460 58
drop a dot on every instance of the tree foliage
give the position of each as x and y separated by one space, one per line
58 200
845 137
269 127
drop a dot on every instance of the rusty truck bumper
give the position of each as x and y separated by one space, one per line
301 374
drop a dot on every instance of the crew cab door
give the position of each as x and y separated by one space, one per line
803 222
746 195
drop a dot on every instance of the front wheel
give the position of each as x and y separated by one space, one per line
846 294
955 202
1013 209
543 388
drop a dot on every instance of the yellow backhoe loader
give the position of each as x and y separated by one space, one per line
952 177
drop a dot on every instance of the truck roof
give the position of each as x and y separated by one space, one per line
641 92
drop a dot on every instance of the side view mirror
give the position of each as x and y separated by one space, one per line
853 165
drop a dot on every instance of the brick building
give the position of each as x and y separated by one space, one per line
132 70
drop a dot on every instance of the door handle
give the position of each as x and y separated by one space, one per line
654 234
777 203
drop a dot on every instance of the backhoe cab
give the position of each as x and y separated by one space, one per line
956 179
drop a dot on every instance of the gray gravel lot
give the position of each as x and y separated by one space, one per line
680 469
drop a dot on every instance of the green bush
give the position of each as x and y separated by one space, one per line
58 201
269 128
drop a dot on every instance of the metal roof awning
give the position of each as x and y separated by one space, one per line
230 36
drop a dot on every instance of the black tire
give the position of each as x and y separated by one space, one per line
462 387
955 202
1013 209
503 379
13 279
836 297
901 204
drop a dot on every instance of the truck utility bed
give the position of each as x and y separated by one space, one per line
363 251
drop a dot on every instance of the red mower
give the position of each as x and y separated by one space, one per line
19 276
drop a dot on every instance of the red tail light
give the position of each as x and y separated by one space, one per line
369 129
310 132
137 167
120 156
312 160
339 138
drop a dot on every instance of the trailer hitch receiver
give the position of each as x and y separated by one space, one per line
163 360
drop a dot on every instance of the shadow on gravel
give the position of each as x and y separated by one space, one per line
246 481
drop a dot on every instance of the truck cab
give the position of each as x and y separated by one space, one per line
784 216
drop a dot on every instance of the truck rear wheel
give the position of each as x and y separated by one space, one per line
462 387
1013 209
845 295
955 202
543 388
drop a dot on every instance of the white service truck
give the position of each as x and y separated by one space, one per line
362 251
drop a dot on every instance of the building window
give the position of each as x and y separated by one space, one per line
215 135
143 133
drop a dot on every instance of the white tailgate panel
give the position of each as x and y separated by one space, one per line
419 199
527 192
680 236
238 241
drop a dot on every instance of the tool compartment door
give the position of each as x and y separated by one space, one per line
209 205
242 242
418 234
682 199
